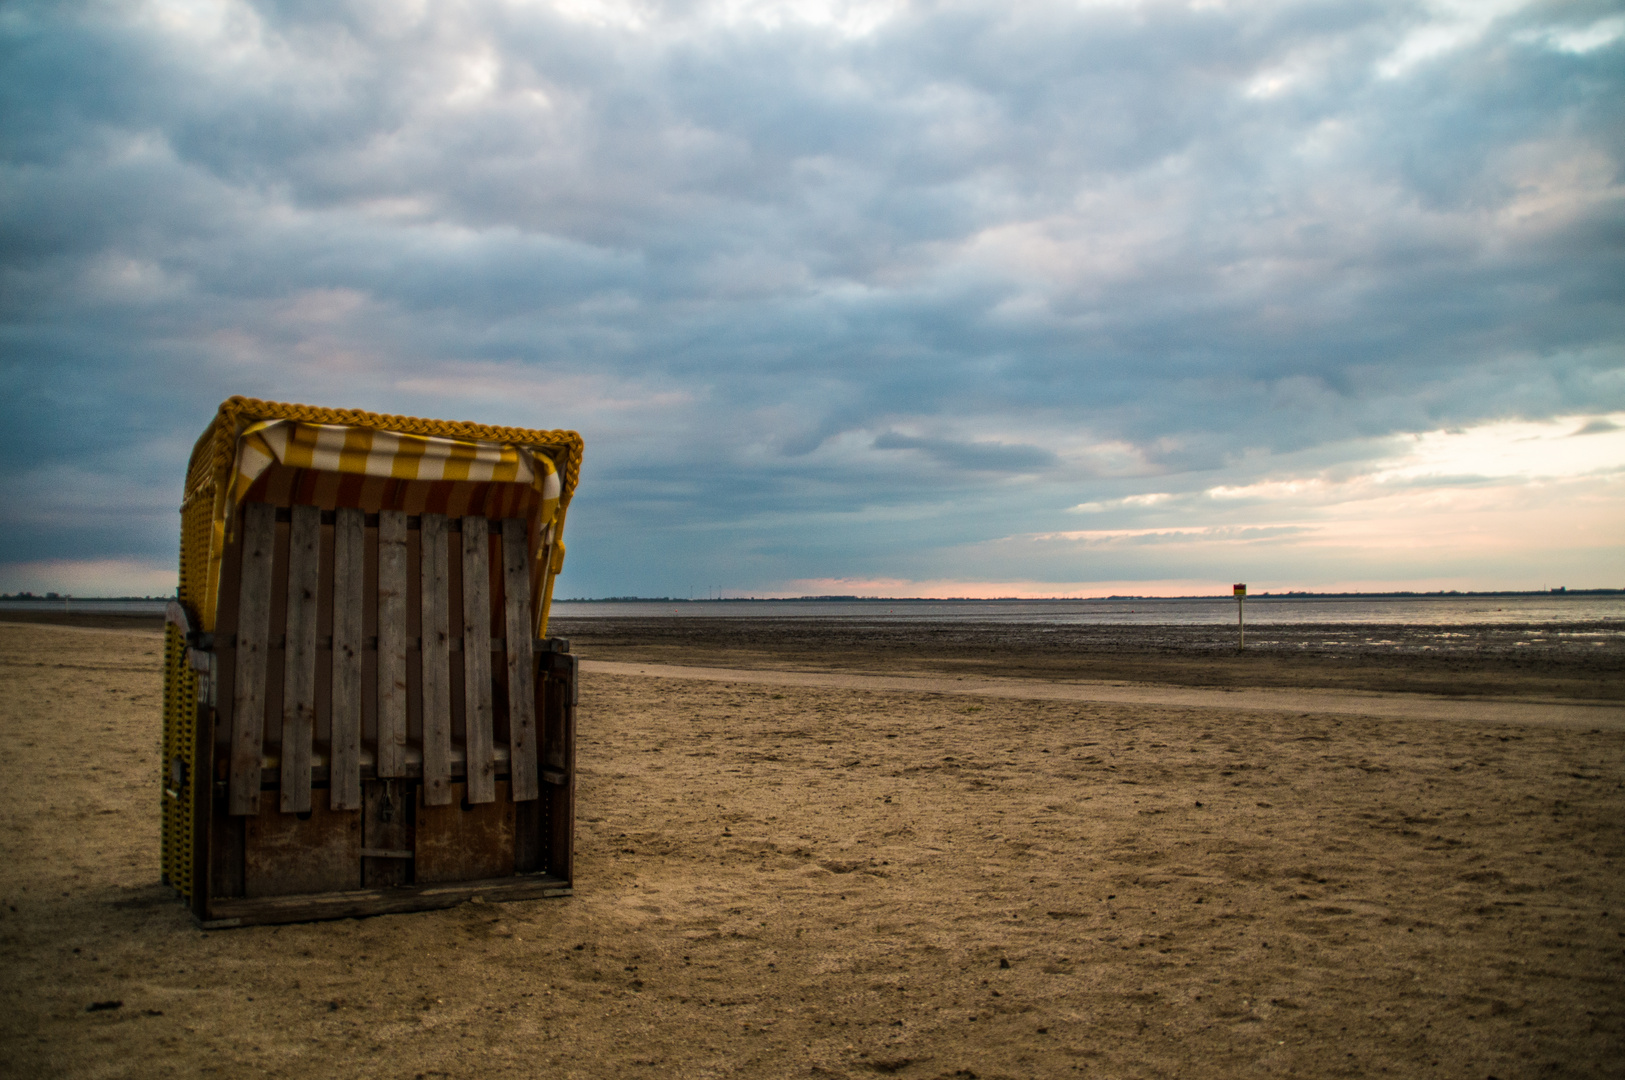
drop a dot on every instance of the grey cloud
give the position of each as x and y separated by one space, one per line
981 217
971 456
1598 427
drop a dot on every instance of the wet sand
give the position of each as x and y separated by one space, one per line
1580 660
1561 712
849 881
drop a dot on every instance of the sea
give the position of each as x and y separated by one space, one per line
89 605
1476 609
1472 610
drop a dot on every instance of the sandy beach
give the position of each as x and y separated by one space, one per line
781 876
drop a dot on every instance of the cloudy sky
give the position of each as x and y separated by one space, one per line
886 297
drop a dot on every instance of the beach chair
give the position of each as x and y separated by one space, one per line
362 710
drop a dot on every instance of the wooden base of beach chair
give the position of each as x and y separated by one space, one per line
358 902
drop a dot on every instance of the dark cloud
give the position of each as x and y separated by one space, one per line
971 456
1073 243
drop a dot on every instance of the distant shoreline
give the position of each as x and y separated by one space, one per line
1451 594
26 601
58 598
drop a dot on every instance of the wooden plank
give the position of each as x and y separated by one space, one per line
436 663
299 672
414 637
253 642
529 836
288 855
226 858
560 755
369 635
452 843
354 903
200 782
454 609
344 764
521 663
276 655
322 730
557 714
225 646
477 714
392 635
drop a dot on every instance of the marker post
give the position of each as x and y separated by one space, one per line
1241 613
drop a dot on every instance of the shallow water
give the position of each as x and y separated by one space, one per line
88 606
1260 610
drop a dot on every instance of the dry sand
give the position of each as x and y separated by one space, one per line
807 880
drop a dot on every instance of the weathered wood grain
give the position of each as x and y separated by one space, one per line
477 714
344 766
385 827
253 642
284 854
299 671
392 589
340 905
520 630
436 662
559 753
451 843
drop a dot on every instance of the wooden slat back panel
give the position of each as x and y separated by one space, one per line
392 634
455 597
436 662
299 673
344 759
253 634
521 662
476 630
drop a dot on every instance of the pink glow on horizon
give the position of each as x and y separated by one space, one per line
902 589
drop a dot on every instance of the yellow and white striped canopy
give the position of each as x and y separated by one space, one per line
289 454
365 452
439 473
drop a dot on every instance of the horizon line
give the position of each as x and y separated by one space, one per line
1275 595
858 598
